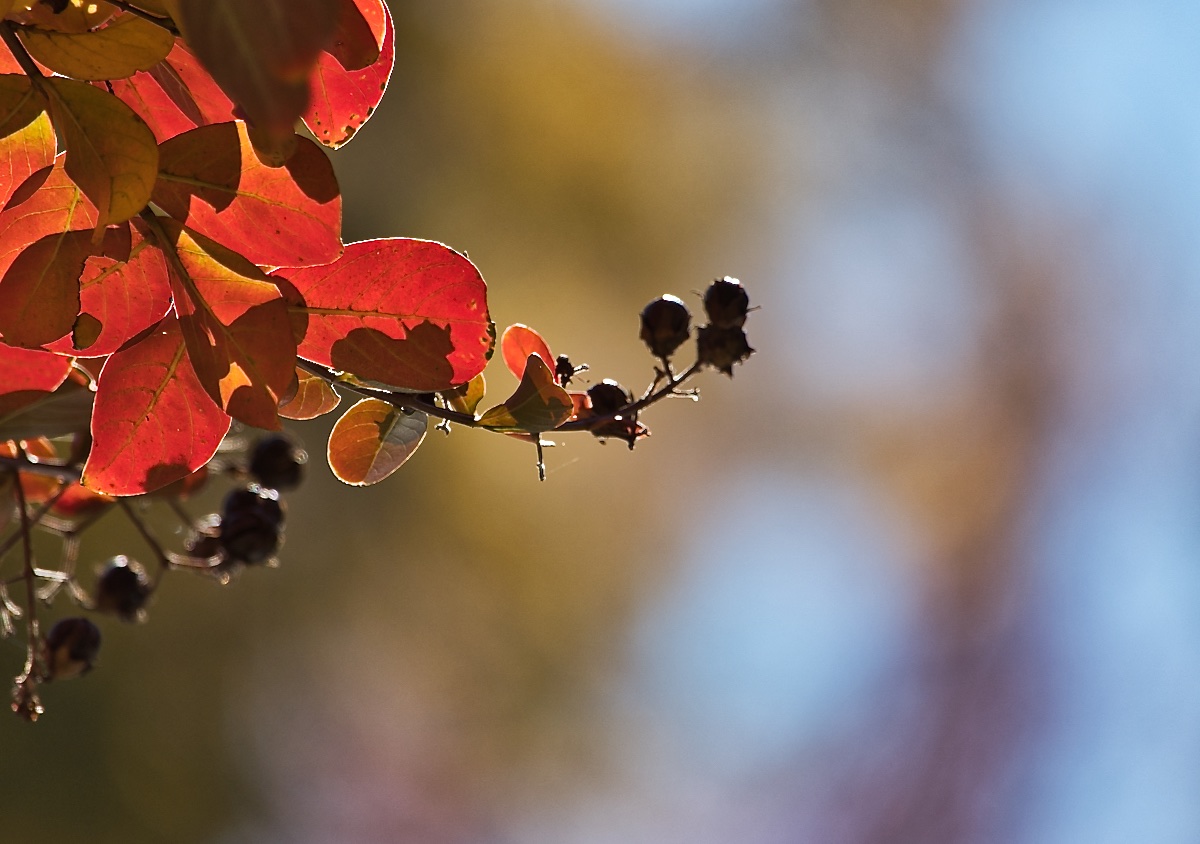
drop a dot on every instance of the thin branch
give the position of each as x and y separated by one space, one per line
165 23
163 562
9 34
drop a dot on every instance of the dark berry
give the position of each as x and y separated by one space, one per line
277 463
722 347
726 303
248 538
607 397
263 505
122 589
70 648
666 325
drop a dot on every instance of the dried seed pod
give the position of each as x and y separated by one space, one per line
608 397
721 348
250 526
277 463
122 589
70 649
666 325
726 303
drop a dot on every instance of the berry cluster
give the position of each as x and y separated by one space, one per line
247 532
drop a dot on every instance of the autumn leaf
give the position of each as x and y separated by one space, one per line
236 325
111 153
314 397
355 43
175 95
517 343
123 47
31 369
466 397
260 53
537 405
153 422
69 17
39 293
27 141
119 298
342 97
372 440
407 313
211 179
48 202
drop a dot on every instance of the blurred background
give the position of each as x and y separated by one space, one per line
926 570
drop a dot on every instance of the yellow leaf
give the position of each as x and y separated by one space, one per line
111 153
121 49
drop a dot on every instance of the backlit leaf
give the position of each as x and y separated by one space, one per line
153 423
111 153
123 47
373 440
260 53
537 405
517 343
121 297
175 95
48 202
314 397
31 369
39 292
236 326
467 397
408 313
355 44
27 141
211 179
72 16
341 99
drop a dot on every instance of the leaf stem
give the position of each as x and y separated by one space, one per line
165 23
9 34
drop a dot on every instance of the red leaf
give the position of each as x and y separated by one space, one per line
175 95
236 323
355 43
31 369
153 423
289 216
48 202
409 313
341 99
260 53
373 440
314 397
517 343
121 298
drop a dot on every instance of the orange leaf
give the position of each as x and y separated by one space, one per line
314 397
236 326
111 153
517 343
289 216
27 139
372 440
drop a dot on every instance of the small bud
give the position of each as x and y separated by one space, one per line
277 463
722 347
607 397
666 325
726 303
70 648
122 589
564 370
